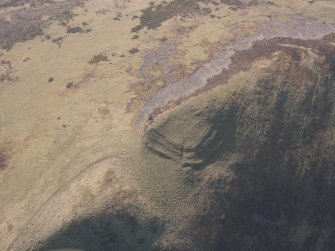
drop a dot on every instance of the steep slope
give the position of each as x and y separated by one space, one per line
236 99
264 143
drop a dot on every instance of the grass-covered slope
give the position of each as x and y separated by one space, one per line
265 143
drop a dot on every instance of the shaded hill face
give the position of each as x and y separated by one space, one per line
106 232
237 101
263 151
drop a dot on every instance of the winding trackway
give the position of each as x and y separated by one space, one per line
59 189
190 84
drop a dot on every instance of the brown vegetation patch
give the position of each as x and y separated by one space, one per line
153 16
133 50
104 112
101 57
70 85
23 29
103 11
76 29
16 3
2 161
160 66
11 3
3 158
282 131
58 41
5 70
243 60
26 24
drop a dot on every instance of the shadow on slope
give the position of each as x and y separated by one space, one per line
105 233
271 145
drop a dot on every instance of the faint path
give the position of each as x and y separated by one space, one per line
199 77
58 190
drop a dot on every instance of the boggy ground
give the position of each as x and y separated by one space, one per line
76 173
